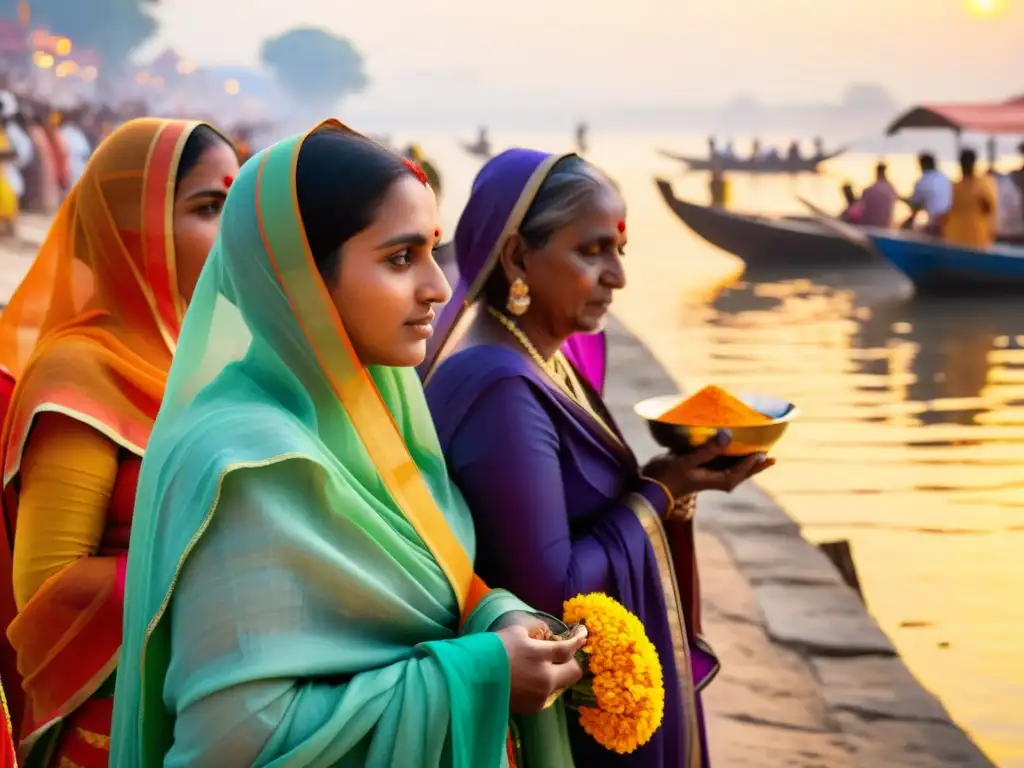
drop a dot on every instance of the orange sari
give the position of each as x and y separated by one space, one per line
89 334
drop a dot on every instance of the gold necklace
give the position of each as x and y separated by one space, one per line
548 366
557 369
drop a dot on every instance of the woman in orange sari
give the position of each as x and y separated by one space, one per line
88 337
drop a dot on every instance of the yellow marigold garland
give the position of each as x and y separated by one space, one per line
621 699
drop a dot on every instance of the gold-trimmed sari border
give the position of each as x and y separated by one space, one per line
204 524
86 692
90 421
651 523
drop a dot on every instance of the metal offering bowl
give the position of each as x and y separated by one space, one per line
745 440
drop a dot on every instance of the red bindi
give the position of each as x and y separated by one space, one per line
437 233
228 181
416 171
622 225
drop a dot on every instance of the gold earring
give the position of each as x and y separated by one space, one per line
518 297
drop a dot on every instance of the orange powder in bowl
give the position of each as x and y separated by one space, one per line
713 407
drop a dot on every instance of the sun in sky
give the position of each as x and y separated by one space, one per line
985 8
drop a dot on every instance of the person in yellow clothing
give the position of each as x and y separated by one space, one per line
973 219
8 196
10 188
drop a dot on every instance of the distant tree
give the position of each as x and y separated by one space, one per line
314 65
113 28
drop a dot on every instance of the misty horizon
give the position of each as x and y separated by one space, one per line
582 55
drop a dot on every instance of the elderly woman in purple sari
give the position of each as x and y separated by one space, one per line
560 503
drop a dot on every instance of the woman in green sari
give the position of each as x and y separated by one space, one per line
300 587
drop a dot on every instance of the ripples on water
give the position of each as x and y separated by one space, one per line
911 442
910 445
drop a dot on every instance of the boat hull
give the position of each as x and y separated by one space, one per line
937 267
788 246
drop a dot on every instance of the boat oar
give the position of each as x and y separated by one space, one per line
848 232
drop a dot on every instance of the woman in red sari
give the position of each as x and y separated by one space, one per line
61 156
88 337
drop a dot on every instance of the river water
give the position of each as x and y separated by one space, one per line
911 442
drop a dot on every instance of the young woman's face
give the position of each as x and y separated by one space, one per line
388 281
198 202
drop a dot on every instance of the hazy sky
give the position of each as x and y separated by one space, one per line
637 51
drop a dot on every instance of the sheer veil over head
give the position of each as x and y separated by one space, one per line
92 327
89 333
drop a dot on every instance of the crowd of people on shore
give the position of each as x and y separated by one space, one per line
974 211
276 492
44 149
43 152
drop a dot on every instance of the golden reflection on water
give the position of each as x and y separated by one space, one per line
910 444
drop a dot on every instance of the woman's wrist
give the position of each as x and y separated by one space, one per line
685 508
658 494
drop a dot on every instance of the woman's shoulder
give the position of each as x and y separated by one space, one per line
496 358
235 421
192 453
469 373
484 383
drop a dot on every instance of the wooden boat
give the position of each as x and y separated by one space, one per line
758 165
939 267
795 245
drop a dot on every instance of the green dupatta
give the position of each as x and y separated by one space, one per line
300 588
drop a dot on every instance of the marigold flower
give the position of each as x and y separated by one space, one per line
621 699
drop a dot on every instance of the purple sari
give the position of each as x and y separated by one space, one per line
558 501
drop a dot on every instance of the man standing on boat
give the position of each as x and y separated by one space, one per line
932 194
973 218
719 185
